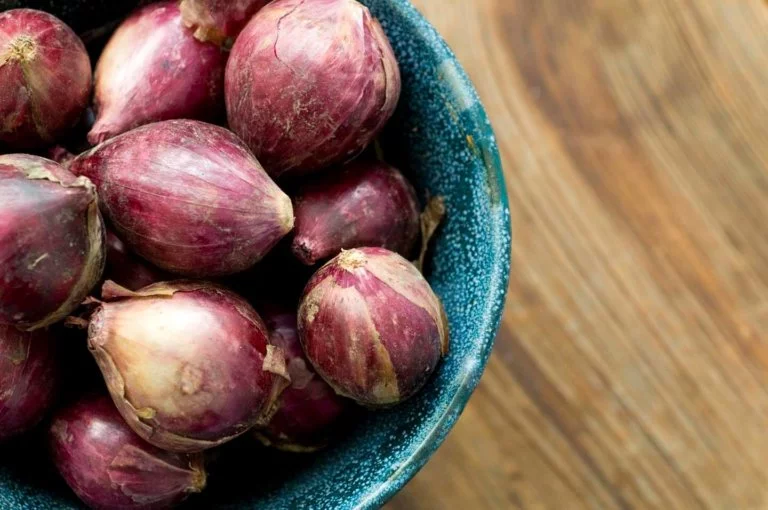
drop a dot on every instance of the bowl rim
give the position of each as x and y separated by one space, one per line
502 261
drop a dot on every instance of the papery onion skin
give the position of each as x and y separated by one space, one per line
108 466
219 21
154 69
310 84
372 326
308 408
366 203
51 241
188 364
29 376
188 197
45 78
128 269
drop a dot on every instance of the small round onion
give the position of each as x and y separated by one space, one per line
45 78
188 197
127 269
310 84
372 326
219 21
188 365
367 203
154 69
309 407
51 241
108 466
28 378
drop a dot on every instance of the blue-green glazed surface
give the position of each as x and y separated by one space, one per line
442 138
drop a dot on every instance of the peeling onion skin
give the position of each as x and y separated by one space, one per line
189 365
127 269
310 84
366 203
108 466
219 21
45 78
188 196
154 69
29 376
51 241
372 326
308 408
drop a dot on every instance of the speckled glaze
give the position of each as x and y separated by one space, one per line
441 138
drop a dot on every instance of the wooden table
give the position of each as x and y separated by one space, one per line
631 370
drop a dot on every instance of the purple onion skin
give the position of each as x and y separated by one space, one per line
188 196
29 375
367 203
218 21
127 269
51 241
154 69
188 365
109 467
372 326
45 78
308 408
316 95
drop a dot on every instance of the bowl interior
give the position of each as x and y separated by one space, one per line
441 138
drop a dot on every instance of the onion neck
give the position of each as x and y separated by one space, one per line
22 49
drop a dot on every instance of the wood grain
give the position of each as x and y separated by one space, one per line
632 366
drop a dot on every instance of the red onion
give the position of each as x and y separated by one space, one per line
109 467
310 83
45 78
188 196
219 21
154 69
51 241
127 269
309 407
372 327
188 364
367 203
28 379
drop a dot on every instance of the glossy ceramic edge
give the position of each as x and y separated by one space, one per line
486 141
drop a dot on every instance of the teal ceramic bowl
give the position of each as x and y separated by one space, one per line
442 137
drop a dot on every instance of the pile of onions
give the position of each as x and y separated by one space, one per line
185 225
